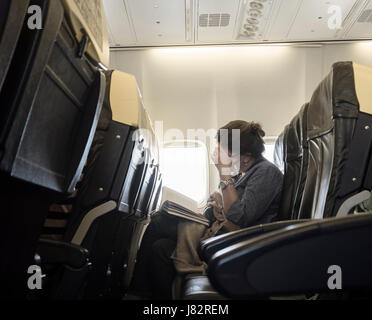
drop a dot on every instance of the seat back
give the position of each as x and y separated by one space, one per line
116 171
157 193
339 142
148 191
356 179
51 101
12 14
293 154
118 180
51 96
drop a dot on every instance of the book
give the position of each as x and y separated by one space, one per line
178 205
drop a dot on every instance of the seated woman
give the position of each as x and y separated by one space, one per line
250 196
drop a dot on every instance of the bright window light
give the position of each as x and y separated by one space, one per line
185 169
269 148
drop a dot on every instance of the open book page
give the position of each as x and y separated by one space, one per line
181 199
179 205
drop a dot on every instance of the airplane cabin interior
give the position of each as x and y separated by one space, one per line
110 111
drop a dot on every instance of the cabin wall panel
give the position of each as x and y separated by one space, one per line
207 87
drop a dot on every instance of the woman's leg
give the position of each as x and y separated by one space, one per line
162 226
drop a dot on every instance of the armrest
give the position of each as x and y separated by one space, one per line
58 252
297 259
210 246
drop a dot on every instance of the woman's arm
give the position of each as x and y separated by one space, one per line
220 221
263 187
229 196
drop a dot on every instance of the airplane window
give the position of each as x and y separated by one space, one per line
270 148
185 169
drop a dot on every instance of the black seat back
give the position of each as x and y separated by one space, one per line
325 150
118 180
157 193
339 144
51 101
51 96
12 15
292 148
148 189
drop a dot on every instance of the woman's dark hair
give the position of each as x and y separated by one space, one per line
251 137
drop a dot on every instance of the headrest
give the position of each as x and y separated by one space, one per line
126 101
363 86
335 97
87 18
127 107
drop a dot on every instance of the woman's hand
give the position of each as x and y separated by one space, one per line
216 201
222 162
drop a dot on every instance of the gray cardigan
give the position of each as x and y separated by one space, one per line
259 193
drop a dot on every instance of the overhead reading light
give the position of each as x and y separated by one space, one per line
252 24
251 28
249 34
253 21
256 5
254 13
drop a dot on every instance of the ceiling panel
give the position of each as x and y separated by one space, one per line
216 20
311 21
188 22
120 31
362 26
158 21
283 18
